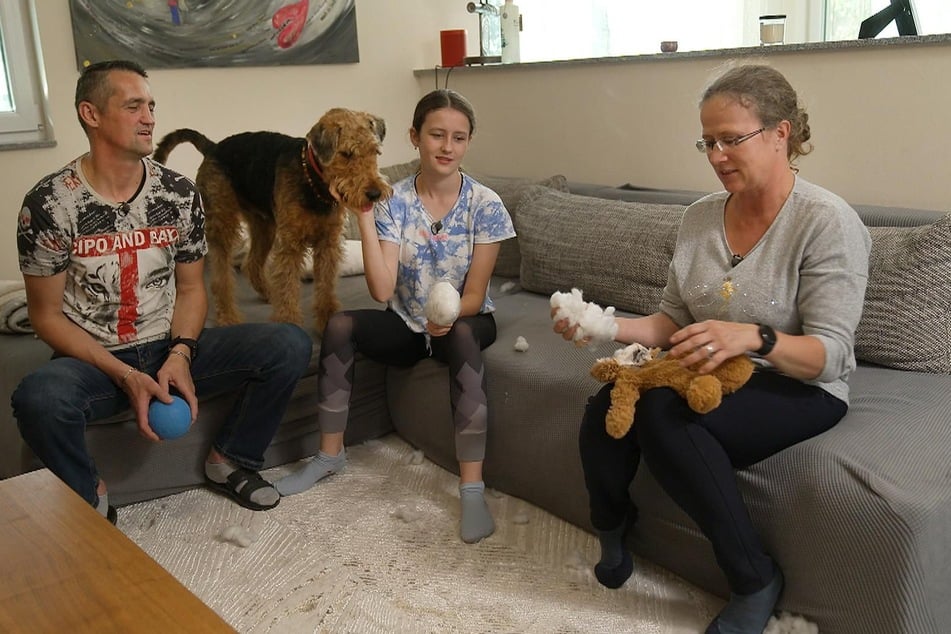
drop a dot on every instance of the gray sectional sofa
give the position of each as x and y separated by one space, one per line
859 517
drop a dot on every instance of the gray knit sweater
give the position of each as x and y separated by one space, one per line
806 275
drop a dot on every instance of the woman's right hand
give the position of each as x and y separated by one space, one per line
567 331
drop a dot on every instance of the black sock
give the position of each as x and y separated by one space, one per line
616 564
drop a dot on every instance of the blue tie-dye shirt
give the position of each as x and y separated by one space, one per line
478 217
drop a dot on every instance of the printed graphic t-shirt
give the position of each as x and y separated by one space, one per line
428 256
119 258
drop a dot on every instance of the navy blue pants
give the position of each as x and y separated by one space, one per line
53 404
693 457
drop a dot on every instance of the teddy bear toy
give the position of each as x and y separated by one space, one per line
635 368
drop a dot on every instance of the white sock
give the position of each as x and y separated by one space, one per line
103 505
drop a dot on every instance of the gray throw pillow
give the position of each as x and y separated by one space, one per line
511 190
906 319
396 173
617 252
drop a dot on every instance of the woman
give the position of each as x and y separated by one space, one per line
774 267
439 225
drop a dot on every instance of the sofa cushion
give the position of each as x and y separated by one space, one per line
906 321
616 252
511 190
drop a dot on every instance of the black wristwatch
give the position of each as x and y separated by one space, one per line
768 335
191 343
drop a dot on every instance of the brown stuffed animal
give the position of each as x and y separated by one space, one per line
703 392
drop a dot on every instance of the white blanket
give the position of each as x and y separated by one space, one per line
14 318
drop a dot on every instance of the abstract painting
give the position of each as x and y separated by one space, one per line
190 33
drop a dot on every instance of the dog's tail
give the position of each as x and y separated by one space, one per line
183 135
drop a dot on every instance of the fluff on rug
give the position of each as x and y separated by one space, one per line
376 549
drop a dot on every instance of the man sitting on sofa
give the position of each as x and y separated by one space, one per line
112 248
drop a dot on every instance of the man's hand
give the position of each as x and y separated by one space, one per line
141 388
176 372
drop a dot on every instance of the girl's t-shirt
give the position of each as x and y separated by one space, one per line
432 252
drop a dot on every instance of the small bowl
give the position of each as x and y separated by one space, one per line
668 46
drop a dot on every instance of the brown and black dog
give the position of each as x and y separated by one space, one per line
293 194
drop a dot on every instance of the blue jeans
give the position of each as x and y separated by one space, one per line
261 362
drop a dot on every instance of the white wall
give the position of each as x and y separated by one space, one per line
394 38
879 116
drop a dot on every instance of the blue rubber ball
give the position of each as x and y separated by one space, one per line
170 420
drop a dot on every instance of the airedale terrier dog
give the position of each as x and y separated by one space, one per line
293 193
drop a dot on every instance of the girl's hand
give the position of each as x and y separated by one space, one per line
435 330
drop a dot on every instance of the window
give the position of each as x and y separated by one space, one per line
23 121
573 29
843 17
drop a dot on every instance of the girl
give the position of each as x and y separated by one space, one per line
439 225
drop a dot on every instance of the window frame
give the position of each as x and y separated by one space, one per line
29 124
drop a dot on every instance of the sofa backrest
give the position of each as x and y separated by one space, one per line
618 253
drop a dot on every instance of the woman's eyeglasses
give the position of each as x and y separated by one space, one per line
724 145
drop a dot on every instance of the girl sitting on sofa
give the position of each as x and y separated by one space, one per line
439 225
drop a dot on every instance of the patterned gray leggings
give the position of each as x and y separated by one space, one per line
382 335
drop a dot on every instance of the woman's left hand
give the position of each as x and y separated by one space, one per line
713 340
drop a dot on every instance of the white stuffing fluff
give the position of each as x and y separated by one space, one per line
520 518
407 514
443 304
521 344
507 286
415 458
634 354
238 535
790 624
593 322
575 560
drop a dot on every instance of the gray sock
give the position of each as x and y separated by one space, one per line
219 472
320 466
476 520
103 505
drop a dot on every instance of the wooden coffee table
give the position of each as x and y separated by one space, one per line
64 568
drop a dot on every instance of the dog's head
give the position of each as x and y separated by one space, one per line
346 144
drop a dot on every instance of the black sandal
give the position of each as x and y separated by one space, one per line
241 484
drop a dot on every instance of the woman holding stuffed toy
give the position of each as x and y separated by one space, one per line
440 226
773 267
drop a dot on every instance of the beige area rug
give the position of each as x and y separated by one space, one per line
376 549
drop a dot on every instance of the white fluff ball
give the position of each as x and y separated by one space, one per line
521 344
238 535
443 304
591 320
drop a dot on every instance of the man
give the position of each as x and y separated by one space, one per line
111 248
